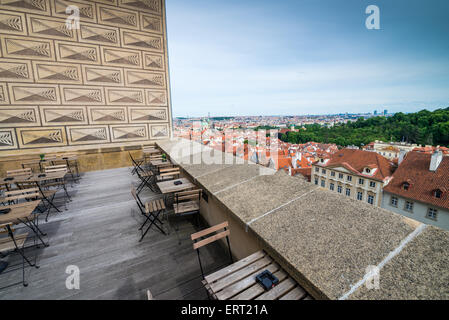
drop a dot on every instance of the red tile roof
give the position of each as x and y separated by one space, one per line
356 160
414 169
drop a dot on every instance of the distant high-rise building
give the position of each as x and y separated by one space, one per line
385 112
375 112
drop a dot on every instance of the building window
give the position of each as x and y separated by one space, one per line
359 195
348 192
361 181
372 184
406 185
349 178
432 214
408 206
370 199
323 183
332 173
340 175
437 193
339 189
367 170
394 201
317 169
316 181
331 186
323 171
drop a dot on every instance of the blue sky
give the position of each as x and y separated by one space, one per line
306 56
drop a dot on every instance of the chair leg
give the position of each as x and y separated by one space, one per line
152 222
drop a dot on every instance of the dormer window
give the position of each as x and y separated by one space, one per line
437 193
406 186
368 170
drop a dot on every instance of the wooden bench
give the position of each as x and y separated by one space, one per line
238 281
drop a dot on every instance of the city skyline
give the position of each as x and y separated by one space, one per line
295 57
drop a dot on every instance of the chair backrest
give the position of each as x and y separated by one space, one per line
167 172
207 238
191 195
56 168
19 172
210 235
30 193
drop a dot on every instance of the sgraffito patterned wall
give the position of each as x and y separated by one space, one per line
104 83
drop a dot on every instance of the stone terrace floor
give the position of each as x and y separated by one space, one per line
99 234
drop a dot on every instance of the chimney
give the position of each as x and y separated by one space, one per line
402 154
435 160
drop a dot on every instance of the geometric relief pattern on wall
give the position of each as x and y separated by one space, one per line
118 17
145 79
88 135
159 131
46 72
145 41
29 6
86 9
12 23
3 94
82 95
51 28
153 61
19 116
103 76
124 96
15 70
41 137
129 133
106 115
27 48
33 94
111 2
92 33
151 6
105 82
8 139
156 98
121 57
150 23
52 116
147 115
76 52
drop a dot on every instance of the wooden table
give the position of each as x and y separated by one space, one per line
35 177
238 281
23 213
169 186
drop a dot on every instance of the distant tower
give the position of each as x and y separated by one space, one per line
375 112
385 112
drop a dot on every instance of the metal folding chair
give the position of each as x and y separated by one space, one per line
152 217
135 162
14 243
147 178
204 237
31 194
